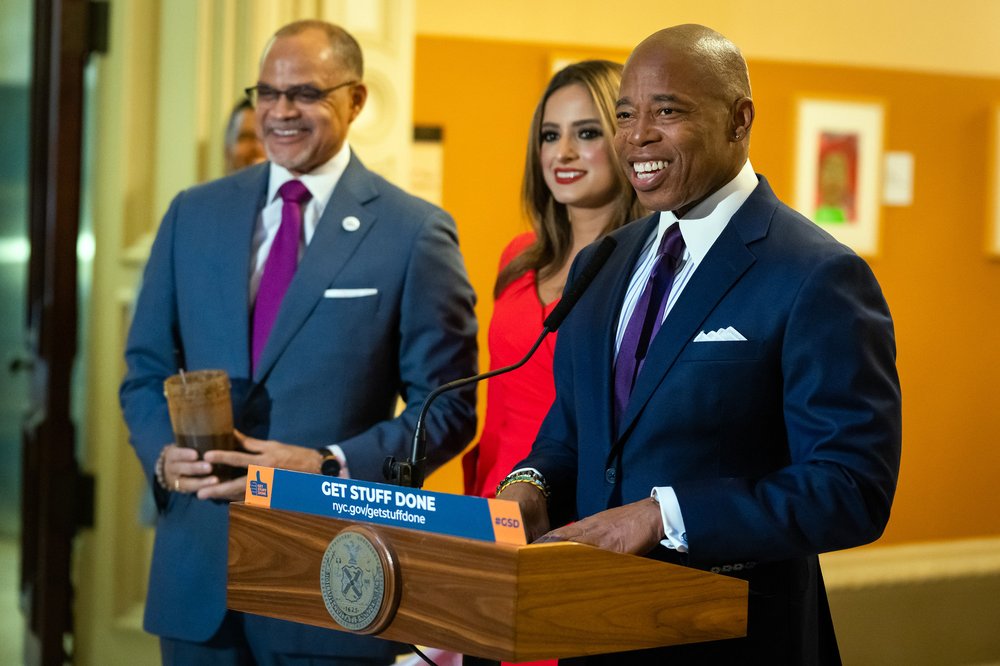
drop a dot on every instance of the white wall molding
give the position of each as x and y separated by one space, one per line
920 604
911 563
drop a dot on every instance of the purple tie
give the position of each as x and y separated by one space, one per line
281 263
646 317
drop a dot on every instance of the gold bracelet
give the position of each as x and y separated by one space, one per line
525 476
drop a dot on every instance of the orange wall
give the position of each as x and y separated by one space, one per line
943 290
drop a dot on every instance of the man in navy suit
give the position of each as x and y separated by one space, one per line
379 307
760 425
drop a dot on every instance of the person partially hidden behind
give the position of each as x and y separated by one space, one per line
242 147
726 390
573 192
326 294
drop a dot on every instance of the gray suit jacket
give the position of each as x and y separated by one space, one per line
331 372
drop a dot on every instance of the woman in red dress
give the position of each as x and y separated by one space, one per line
574 192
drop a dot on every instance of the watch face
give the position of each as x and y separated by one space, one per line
330 465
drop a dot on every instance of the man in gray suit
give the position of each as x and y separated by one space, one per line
377 307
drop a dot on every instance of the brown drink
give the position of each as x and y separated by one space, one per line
201 414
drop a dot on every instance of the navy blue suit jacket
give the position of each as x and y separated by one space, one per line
331 371
779 447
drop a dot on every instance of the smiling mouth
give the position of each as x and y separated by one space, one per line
566 176
647 170
286 133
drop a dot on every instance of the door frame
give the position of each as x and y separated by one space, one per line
52 485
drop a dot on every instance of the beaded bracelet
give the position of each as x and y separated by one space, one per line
525 476
159 473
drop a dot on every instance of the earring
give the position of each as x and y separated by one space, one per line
739 135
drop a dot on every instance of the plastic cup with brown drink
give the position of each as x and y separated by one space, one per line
201 414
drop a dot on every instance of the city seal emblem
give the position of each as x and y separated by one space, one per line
358 580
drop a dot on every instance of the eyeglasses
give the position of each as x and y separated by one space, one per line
307 94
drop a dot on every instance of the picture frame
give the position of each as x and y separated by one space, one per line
838 161
993 188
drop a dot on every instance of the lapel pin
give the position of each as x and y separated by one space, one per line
351 223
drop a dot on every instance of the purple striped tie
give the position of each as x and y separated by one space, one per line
279 269
646 318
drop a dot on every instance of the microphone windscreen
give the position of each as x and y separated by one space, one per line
587 275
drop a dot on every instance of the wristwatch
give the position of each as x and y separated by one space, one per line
329 465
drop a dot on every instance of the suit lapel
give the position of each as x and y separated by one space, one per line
727 260
233 244
330 249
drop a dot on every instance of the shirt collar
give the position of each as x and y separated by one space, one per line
704 223
320 181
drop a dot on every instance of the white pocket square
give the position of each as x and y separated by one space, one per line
728 334
349 293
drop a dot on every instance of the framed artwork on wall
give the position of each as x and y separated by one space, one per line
838 169
993 215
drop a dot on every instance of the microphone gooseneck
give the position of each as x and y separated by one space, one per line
587 275
410 473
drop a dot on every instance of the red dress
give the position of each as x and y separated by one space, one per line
516 402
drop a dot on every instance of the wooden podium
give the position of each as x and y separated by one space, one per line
493 600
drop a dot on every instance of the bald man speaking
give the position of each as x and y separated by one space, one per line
726 391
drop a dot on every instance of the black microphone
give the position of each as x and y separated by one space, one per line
410 473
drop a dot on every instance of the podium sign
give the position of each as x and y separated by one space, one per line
478 596
383 504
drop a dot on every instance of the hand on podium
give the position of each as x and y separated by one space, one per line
634 528
534 508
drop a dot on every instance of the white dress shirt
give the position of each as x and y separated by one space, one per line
320 182
700 228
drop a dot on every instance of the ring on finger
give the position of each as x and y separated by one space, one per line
177 484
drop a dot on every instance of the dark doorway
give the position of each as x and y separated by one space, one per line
15 100
55 498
